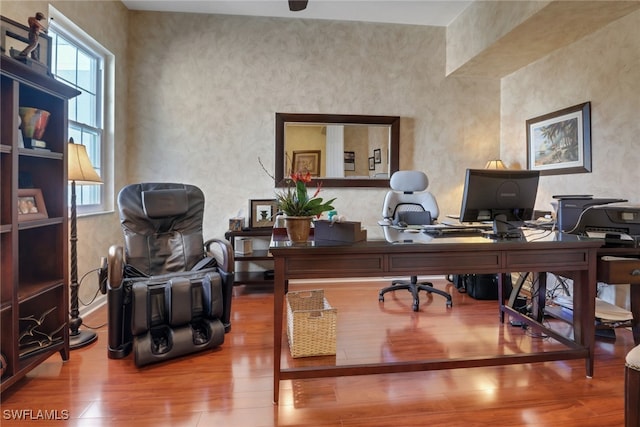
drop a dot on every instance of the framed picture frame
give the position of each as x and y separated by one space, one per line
349 160
560 142
31 205
377 156
262 212
372 163
306 161
14 35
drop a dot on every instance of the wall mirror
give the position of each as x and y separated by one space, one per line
338 150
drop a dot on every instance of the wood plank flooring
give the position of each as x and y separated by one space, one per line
232 386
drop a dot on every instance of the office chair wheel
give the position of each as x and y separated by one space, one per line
416 306
449 303
380 298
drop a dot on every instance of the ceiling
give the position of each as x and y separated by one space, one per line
417 12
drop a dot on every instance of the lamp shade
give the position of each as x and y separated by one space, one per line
495 164
80 169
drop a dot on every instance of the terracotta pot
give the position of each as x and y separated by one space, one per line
298 228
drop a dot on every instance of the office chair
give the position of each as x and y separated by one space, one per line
408 203
168 291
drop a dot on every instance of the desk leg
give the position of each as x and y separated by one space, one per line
279 286
502 280
539 295
584 313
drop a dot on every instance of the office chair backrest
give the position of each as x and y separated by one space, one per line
408 195
162 225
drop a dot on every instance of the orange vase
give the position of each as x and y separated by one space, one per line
298 228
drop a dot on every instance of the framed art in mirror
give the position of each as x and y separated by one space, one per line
349 160
377 156
306 161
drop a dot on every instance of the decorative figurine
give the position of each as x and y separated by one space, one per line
35 27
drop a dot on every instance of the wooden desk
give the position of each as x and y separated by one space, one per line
574 257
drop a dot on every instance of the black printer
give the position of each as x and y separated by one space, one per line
571 206
617 223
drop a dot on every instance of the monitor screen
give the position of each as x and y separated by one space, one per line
491 192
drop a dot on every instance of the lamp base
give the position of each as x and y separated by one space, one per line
81 339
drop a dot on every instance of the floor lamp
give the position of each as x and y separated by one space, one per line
80 171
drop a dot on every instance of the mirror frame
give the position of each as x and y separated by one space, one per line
394 146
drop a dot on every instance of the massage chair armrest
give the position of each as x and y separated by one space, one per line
222 251
115 266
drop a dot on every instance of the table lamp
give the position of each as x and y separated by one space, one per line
80 171
495 164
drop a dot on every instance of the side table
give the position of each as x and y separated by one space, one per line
243 274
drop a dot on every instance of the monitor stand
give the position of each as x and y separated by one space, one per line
502 229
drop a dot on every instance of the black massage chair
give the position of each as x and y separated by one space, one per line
168 291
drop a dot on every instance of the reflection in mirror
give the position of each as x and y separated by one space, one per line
338 150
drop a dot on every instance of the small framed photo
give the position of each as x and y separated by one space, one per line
372 163
349 160
306 161
377 156
262 213
14 37
31 205
560 142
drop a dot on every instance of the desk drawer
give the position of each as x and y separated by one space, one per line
329 265
440 263
618 270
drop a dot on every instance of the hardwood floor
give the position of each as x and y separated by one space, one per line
232 386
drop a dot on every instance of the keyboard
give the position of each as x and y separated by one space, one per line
453 224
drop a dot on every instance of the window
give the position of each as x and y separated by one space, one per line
78 61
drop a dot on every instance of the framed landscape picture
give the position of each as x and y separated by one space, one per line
560 142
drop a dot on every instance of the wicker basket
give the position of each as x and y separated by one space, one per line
311 324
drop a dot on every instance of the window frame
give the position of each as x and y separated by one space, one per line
65 28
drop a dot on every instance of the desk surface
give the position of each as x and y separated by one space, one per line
433 255
572 255
394 237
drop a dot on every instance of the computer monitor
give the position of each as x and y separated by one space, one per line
491 192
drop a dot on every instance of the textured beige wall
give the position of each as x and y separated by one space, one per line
106 22
601 68
481 25
204 90
497 38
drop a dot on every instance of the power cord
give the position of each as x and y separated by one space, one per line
98 270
